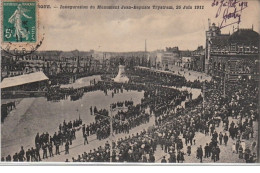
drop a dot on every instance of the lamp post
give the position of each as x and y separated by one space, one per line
111 133
204 89
224 90
111 129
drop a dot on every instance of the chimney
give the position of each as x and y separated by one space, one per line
145 49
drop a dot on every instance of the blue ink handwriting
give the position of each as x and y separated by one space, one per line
230 10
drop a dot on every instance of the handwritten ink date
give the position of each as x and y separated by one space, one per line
229 10
199 7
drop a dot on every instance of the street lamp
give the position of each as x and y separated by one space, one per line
224 91
204 90
111 133
111 128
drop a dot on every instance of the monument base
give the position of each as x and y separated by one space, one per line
121 77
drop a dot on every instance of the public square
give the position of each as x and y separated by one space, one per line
37 115
139 82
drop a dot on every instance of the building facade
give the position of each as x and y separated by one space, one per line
198 59
232 56
50 62
171 57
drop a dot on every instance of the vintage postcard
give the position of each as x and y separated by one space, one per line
130 81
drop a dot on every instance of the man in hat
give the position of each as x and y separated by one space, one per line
225 139
57 147
21 154
220 137
85 138
200 153
247 154
44 148
180 156
50 147
206 150
252 158
33 155
37 153
15 157
67 147
240 152
28 155
37 139
151 158
217 153
189 150
172 158
8 158
83 130
163 160
237 145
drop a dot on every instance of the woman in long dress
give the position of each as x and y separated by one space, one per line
16 19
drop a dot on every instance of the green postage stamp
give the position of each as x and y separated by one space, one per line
19 22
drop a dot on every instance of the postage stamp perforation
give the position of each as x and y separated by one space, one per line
29 38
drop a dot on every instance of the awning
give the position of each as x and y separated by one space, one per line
23 79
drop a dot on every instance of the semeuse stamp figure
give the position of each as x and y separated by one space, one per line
19 21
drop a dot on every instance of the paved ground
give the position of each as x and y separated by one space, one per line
190 75
81 82
226 154
78 147
34 115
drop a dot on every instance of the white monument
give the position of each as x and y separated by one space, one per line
121 77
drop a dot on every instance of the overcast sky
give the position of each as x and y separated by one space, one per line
126 30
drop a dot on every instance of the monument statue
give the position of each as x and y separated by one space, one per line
121 76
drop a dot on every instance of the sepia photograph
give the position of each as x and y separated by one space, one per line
151 82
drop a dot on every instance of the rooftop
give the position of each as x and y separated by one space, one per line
23 79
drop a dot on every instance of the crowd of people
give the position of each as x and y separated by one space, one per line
122 104
176 128
44 143
6 108
122 121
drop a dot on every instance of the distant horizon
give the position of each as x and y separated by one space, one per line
129 51
119 52
126 30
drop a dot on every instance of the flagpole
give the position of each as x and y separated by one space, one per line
225 85
204 88
111 133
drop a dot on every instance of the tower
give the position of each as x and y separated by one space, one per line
145 48
207 48
212 32
146 57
